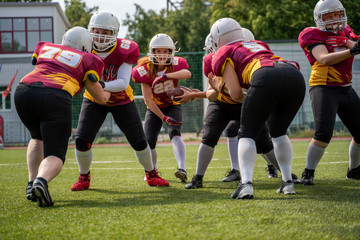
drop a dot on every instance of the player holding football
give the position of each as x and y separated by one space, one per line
330 49
159 72
43 102
118 55
276 90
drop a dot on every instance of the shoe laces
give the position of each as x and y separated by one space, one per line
270 169
309 173
229 172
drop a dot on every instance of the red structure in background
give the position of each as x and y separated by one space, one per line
1 132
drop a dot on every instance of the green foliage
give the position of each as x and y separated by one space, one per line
276 19
120 205
25 0
77 13
188 26
267 19
144 26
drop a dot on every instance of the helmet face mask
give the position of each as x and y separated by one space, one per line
106 21
330 15
225 31
208 43
161 41
78 38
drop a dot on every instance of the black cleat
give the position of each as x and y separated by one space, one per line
232 175
307 177
40 190
181 174
353 174
272 171
295 179
29 194
196 182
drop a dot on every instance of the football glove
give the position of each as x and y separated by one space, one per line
171 121
337 41
356 48
354 37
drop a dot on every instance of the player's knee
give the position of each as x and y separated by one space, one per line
174 132
82 145
210 140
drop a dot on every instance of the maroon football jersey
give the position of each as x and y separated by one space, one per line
245 57
140 74
224 95
124 51
63 67
334 75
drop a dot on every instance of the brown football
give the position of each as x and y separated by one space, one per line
174 92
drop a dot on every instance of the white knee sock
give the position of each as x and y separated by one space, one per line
284 154
204 157
144 158
271 159
313 156
179 151
354 153
247 158
154 156
233 151
84 160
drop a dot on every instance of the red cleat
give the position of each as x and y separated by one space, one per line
83 182
153 179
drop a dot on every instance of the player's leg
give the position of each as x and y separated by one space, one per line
215 122
128 120
91 118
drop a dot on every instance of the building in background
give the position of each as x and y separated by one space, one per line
22 25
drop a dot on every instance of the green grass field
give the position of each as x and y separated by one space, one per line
120 205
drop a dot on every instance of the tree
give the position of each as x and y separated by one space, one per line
77 13
188 26
144 26
25 1
276 19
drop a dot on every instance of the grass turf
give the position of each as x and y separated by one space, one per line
120 205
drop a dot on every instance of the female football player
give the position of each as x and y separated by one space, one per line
159 72
118 55
330 49
44 104
223 112
276 90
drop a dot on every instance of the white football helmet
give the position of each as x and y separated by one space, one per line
225 31
161 40
326 6
104 20
248 35
208 44
78 38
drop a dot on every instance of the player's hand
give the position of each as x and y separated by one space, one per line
337 41
356 48
171 121
354 37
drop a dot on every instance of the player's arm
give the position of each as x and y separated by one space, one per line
322 55
181 74
100 96
147 94
190 95
232 82
123 80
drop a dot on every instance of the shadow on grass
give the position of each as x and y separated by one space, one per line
213 191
